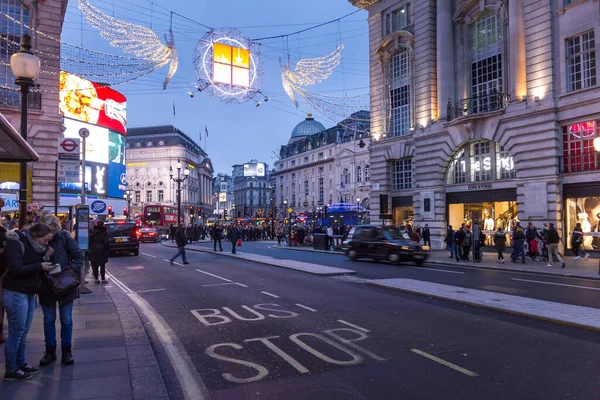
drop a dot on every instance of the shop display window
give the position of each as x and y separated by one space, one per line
492 215
578 147
586 211
403 215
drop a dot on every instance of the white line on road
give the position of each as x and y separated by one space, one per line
150 290
118 283
556 284
306 308
270 294
241 284
438 270
214 276
360 328
149 255
444 362
220 284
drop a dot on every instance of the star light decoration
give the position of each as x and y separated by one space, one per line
228 66
134 39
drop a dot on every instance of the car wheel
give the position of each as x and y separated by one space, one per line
352 254
419 263
394 258
136 252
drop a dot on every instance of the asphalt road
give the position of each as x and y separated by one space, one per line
576 291
258 332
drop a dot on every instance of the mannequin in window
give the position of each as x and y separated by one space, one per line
592 209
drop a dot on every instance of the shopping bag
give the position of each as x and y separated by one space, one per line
239 242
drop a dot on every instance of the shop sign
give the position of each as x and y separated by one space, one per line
480 186
10 200
98 207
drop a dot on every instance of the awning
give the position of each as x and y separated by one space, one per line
12 146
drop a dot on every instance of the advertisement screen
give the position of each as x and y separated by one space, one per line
116 180
116 148
92 103
96 180
96 145
586 211
254 169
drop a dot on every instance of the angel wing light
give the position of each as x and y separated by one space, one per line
134 39
308 71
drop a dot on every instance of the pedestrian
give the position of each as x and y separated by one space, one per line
329 237
180 240
234 236
426 234
99 251
459 238
532 235
62 250
216 234
500 243
279 235
576 240
449 240
172 231
553 239
467 243
25 261
3 271
518 239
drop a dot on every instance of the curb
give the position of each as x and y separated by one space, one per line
339 253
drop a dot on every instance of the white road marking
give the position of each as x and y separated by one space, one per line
118 283
150 290
556 284
220 284
438 270
267 342
306 308
353 326
149 255
214 276
240 284
270 294
446 363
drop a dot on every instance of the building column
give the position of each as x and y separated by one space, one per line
445 56
516 40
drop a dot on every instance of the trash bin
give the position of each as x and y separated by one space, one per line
320 241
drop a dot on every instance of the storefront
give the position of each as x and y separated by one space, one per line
402 210
582 205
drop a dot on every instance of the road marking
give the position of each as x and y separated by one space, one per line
446 363
118 283
556 284
270 294
150 290
353 326
306 308
438 270
240 284
220 284
214 276
176 263
149 255
267 342
136 267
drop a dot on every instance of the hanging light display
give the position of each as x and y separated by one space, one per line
228 66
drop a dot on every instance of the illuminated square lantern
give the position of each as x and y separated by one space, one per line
231 65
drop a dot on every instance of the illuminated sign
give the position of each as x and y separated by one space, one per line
190 166
254 169
92 103
96 145
222 197
136 164
231 65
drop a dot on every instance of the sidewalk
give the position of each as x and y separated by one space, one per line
113 357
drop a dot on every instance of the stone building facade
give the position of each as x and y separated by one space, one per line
223 199
485 110
44 120
252 195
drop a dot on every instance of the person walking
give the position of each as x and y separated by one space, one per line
172 231
576 240
449 240
62 250
234 236
426 234
500 243
189 233
180 240
459 238
25 260
518 239
532 235
467 243
99 251
279 235
329 237
217 237
553 239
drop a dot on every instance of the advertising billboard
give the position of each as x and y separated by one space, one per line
93 103
117 179
254 169
96 145
96 180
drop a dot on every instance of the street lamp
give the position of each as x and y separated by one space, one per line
289 222
357 210
128 191
179 180
25 67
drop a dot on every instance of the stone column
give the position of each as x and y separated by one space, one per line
445 56
516 40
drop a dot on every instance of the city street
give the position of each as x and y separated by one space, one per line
254 331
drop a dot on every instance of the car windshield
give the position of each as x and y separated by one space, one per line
392 233
120 228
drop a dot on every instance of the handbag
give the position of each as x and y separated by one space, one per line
239 243
64 281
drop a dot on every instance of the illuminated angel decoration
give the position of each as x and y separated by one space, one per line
134 39
308 71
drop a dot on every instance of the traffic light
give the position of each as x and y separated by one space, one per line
125 211
191 209
110 211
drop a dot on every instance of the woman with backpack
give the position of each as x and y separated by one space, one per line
63 250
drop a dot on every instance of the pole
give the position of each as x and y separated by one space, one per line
56 187
83 171
178 199
23 165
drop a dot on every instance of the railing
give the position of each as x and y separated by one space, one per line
586 161
477 105
13 98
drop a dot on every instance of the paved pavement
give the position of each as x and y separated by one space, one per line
113 357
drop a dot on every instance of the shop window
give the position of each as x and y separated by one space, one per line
586 211
479 162
581 61
578 147
493 215
402 174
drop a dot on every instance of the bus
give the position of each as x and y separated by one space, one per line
159 215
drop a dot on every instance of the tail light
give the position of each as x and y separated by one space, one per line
151 234
137 233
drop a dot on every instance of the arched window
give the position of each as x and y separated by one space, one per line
367 172
480 161
358 174
11 33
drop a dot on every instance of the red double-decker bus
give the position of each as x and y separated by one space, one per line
159 215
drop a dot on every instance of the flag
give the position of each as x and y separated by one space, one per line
206 130
173 107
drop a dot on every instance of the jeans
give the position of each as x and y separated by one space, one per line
518 247
66 324
458 252
180 252
20 308
215 244
576 247
466 250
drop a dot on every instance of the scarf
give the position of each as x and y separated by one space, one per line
38 248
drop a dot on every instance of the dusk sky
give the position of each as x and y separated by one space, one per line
237 133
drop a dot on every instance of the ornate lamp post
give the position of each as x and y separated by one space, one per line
26 67
289 214
179 180
357 210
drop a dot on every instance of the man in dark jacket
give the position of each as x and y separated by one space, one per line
99 250
459 238
189 233
552 239
180 240
449 240
426 234
3 270
234 235
217 236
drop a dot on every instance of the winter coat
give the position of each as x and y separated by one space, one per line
468 239
234 234
67 254
180 238
459 236
500 240
531 233
2 253
576 237
449 239
552 236
99 245
24 265
216 233
426 234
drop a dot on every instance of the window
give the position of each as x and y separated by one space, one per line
358 174
305 159
402 174
11 33
306 188
321 190
399 76
293 162
481 161
320 170
398 18
345 178
578 147
581 61
505 166
148 196
320 156
293 195
367 173
161 196
137 196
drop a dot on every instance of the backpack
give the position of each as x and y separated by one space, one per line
519 233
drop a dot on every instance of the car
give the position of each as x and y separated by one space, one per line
123 238
149 235
384 243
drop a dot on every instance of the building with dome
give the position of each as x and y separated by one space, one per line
320 167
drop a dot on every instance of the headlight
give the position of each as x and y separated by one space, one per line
405 248
425 247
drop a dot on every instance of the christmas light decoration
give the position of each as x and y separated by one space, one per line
308 71
228 66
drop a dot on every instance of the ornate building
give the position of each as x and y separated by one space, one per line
252 191
223 199
484 110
